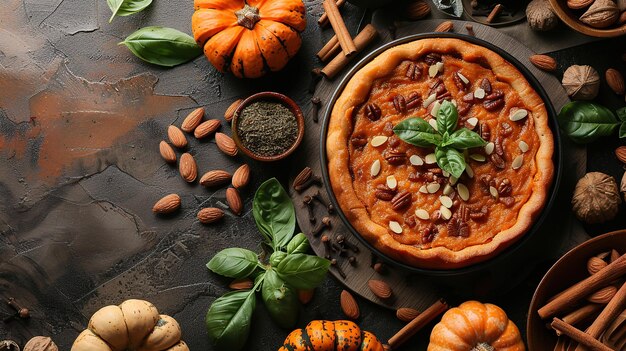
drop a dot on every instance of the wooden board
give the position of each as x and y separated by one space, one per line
409 289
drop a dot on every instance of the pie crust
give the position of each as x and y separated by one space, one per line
438 242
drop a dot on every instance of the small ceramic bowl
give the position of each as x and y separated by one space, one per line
567 271
570 18
269 96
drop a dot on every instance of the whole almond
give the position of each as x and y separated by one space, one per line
305 295
620 152
380 288
241 284
210 215
176 136
167 204
234 201
241 177
206 128
230 111
446 26
615 80
544 62
603 296
417 9
226 144
406 314
614 255
167 152
215 178
595 264
188 168
192 120
348 305
622 18
578 4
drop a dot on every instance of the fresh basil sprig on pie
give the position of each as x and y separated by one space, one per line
446 140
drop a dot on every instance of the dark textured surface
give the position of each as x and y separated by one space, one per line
80 122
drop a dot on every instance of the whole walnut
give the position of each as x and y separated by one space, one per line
601 14
581 82
622 186
596 198
540 15
40 343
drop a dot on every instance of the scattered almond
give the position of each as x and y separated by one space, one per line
176 136
241 284
406 314
215 178
620 152
603 296
380 288
192 120
615 80
306 295
417 9
234 201
230 111
226 144
206 128
446 26
595 264
348 305
241 177
167 204
167 152
188 168
210 215
614 255
544 62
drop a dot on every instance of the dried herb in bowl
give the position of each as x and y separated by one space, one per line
267 128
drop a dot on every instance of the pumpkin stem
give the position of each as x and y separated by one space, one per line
248 16
483 346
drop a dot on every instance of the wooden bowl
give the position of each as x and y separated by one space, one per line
570 18
567 271
276 97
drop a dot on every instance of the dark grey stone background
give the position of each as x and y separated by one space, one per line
80 123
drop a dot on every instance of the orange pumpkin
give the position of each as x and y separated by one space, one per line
249 37
331 336
474 326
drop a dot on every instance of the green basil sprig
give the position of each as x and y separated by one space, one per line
446 139
162 46
126 7
585 122
288 268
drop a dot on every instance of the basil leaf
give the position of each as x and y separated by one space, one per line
234 263
229 318
162 46
622 130
277 257
280 300
303 271
621 114
450 160
274 213
464 139
418 132
299 244
585 122
126 7
447 118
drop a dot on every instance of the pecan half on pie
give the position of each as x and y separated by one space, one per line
398 195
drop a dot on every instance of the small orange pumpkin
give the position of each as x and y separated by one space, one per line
249 37
474 326
331 336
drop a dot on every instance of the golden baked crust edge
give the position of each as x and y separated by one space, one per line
340 128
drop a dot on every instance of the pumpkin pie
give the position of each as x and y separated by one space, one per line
397 196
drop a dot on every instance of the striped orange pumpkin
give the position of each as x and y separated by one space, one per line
331 336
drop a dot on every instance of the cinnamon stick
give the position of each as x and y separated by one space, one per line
339 26
583 288
323 20
582 314
608 314
418 323
329 50
494 13
367 35
579 336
